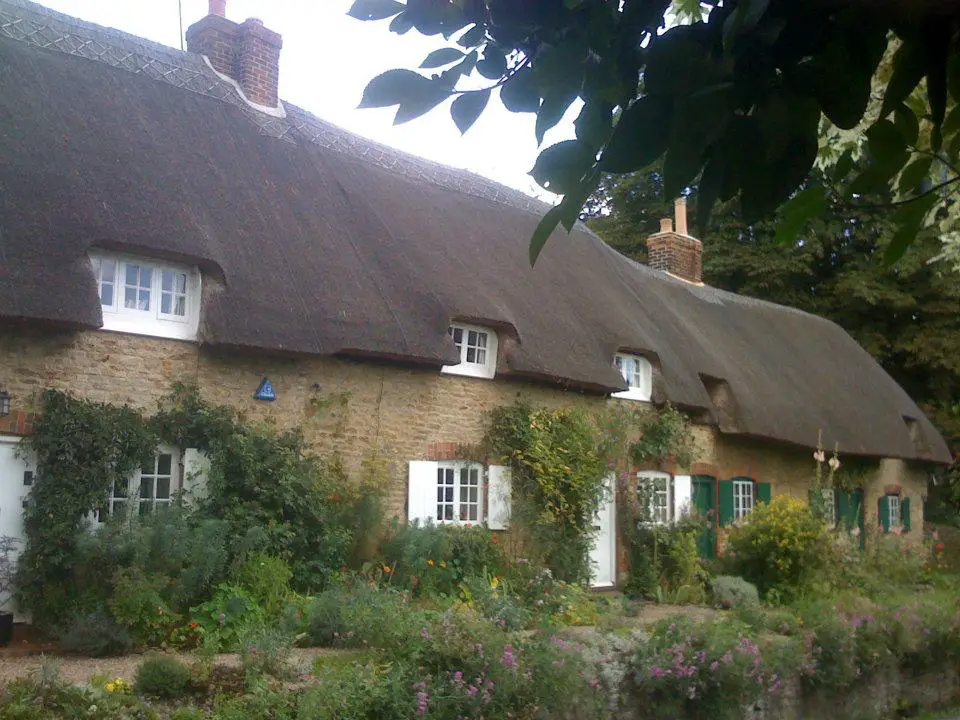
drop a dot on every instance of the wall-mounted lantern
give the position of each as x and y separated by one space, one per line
4 403
265 391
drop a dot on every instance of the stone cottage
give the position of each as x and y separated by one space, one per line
166 217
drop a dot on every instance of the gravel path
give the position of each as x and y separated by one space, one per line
80 670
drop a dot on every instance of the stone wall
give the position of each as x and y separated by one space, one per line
363 410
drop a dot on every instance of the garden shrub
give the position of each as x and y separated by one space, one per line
136 603
95 634
704 670
224 618
780 546
663 559
492 596
162 677
267 578
734 592
45 699
434 559
266 651
357 613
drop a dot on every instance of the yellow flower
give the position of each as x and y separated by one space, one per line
430 563
443 563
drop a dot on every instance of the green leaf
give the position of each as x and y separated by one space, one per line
909 219
544 230
888 151
640 137
391 87
472 37
743 19
375 9
907 123
593 123
677 63
936 45
844 165
908 70
802 207
493 66
441 57
914 173
401 24
519 94
468 107
561 167
710 186
555 104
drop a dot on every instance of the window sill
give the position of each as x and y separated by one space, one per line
136 326
466 370
633 394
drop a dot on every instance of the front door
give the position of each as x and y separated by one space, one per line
603 553
15 481
704 505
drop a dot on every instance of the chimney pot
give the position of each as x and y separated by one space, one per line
218 7
680 210
666 225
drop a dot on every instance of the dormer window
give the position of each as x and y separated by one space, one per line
478 351
147 297
638 374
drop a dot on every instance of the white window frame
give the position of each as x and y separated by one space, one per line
488 368
893 508
128 491
153 322
450 494
744 498
661 513
637 372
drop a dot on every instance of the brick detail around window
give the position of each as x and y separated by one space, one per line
708 469
454 451
248 53
17 422
892 490
679 255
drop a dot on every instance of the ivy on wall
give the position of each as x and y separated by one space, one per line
81 448
559 469
274 494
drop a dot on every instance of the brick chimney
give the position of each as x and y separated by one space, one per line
247 53
672 250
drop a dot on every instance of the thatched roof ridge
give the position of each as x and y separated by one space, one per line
327 243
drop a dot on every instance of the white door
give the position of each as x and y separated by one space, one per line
15 480
603 554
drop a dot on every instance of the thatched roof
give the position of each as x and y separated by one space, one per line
326 243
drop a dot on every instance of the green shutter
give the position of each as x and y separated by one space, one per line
764 492
905 513
846 510
726 502
883 509
858 515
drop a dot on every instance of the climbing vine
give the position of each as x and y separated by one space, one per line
81 448
559 466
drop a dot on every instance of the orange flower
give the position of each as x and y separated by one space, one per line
387 569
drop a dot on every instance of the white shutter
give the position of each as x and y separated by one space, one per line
422 491
196 469
498 497
682 494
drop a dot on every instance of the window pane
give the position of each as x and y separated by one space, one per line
144 300
106 295
481 357
120 488
146 488
165 303
181 283
163 489
133 275
164 463
471 355
166 281
448 493
458 336
130 298
180 306
481 340
144 509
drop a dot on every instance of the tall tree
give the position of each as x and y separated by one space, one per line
907 316
731 91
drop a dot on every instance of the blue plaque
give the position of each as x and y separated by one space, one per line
265 391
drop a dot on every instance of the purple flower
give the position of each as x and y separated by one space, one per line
424 633
422 701
471 691
508 660
714 665
458 677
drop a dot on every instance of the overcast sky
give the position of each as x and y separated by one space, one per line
327 60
